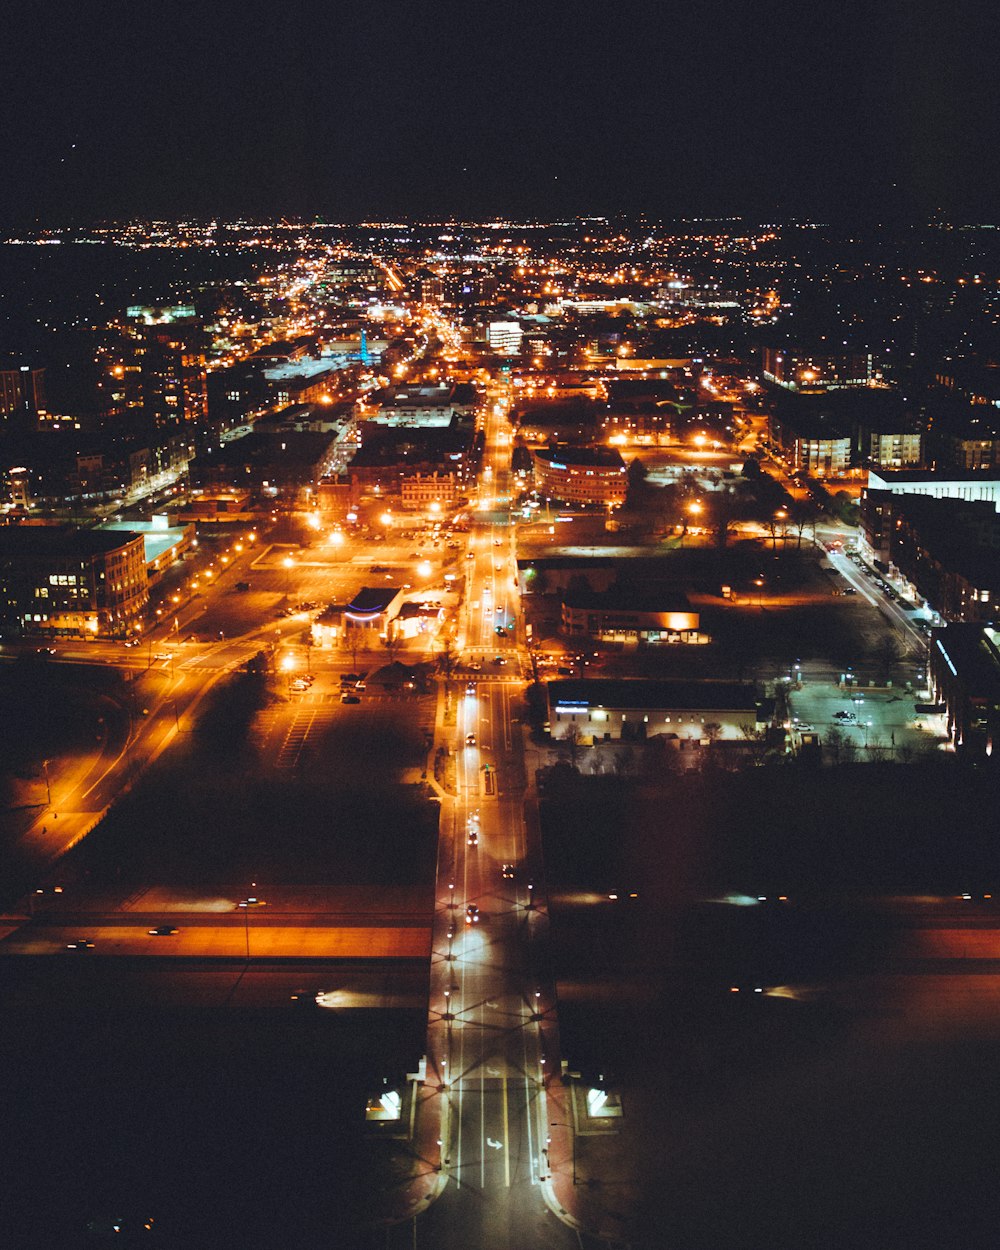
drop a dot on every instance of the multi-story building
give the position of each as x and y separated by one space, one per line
964 662
422 490
581 475
813 369
895 451
504 337
163 369
22 394
66 581
943 485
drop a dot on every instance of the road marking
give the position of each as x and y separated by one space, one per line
494 1145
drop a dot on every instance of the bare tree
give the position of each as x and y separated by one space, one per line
446 657
755 737
724 509
803 514
885 655
624 760
569 745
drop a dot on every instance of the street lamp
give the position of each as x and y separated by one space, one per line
759 583
287 667
780 515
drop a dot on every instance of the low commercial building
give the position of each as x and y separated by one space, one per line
964 661
634 710
63 581
631 618
581 475
369 617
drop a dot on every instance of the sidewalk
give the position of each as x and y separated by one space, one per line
409 1175
591 1181
589 1178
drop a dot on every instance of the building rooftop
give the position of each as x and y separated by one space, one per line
373 600
157 537
972 653
61 541
628 599
583 457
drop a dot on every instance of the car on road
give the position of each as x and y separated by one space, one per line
507 872
470 740
349 698
476 666
470 688
803 728
849 590
163 655
499 660
846 717
162 930
472 914
500 631
470 555
242 586
473 837
80 944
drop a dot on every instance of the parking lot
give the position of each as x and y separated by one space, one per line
869 719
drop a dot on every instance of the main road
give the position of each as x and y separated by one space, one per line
492 1035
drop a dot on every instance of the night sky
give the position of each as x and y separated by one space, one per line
378 108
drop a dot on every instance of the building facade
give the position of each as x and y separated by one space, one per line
634 710
61 581
581 475
630 620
